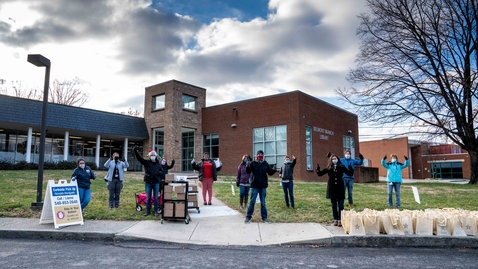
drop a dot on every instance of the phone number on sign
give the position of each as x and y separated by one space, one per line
66 202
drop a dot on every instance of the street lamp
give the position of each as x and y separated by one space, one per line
40 61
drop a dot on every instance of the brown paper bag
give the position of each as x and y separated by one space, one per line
457 227
407 224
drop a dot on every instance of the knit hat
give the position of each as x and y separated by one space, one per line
152 152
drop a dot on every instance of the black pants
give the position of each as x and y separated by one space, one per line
114 186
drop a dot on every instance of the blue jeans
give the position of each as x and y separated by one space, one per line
262 196
349 187
151 189
244 191
85 197
288 188
337 207
396 186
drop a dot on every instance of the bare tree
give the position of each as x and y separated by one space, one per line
20 90
418 64
132 112
67 92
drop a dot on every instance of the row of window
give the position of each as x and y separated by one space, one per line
188 102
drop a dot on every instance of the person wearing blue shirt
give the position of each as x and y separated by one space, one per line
83 175
349 179
394 177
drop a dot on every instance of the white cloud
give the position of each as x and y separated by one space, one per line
117 48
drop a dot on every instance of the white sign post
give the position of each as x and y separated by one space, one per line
62 204
415 194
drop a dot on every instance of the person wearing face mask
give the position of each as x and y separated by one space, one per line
153 172
260 169
286 172
83 175
243 181
394 177
207 175
166 167
335 185
349 180
115 178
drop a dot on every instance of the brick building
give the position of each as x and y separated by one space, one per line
292 123
426 160
178 125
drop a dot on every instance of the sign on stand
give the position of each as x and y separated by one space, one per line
62 204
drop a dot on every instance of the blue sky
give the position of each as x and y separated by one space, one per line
236 49
207 10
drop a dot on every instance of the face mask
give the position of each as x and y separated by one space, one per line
152 157
260 158
335 161
116 158
245 160
347 156
394 160
82 166
163 162
287 161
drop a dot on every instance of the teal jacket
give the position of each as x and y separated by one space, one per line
394 170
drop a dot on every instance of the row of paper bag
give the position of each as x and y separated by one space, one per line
442 222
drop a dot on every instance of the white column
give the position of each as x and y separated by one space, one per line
125 149
66 146
29 145
97 153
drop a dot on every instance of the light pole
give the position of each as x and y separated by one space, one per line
40 61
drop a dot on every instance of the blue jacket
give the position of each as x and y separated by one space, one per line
83 177
110 164
394 170
346 162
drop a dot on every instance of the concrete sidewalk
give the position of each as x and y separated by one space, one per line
220 225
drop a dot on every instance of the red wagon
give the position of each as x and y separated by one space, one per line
141 200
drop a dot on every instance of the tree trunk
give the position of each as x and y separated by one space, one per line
473 167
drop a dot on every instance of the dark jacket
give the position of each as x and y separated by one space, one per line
153 171
287 170
166 168
200 167
335 184
242 177
83 177
259 170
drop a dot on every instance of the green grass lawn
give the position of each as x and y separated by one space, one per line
18 191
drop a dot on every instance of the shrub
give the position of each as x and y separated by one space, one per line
5 165
24 165
66 165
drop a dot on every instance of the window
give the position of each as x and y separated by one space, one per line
349 144
210 144
158 102
159 141
273 141
308 147
187 150
189 102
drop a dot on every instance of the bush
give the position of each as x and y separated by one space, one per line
5 165
50 166
92 165
24 165
66 165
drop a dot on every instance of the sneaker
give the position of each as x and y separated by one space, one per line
146 214
241 207
209 203
339 224
247 221
156 214
205 203
266 221
335 223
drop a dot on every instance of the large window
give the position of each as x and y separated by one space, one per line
189 102
308 147
187 150
159 101
273 141
159 141
349 144
210 143
447 170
